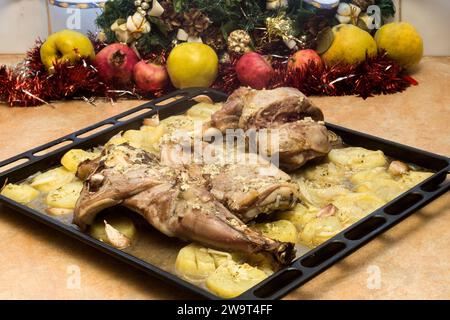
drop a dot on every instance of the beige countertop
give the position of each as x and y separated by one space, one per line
411 261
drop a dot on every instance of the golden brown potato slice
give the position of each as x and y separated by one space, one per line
320 230
196 262
21 193
357 158
203 111
231 279
281 230
66 196
300 215
74 157
354 206
52 179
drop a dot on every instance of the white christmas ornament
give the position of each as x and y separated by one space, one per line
276 4
347 13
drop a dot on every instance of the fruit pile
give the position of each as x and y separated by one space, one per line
350 61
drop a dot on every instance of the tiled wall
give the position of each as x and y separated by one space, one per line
22 21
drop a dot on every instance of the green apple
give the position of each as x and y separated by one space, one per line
66 45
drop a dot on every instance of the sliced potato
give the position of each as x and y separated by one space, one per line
412 178
58 211
320 196
116 140
385 189
203 111
21 193
52 179
134 137
120 222
178 123
258 260
66 196
299 215
354 206
326 173
369 175
197 262
152 137
281 230
74 157
320 230
357 158
231 279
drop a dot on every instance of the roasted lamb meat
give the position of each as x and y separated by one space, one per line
283 111
248 108
245 183
174 200
120 172
188 211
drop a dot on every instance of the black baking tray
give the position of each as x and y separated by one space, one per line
280 283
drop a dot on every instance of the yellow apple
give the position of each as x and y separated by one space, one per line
66 45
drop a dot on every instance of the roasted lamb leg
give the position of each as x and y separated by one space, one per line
173 200
188 211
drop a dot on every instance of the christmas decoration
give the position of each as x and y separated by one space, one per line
115 64
192 65
276 4
66 45
363 4
402 43
347 13
150 77
214 38
239 42
350 45
377 75
30 85
195 22
254 71
287 33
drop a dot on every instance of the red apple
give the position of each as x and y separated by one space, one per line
301 59
150 77
254 71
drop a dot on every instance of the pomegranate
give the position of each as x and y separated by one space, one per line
150 77
302 58
115 64
254 71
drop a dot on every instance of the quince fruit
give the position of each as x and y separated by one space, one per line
66 45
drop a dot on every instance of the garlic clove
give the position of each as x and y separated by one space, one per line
116 238
398 168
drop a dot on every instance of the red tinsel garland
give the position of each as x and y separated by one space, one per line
29 84
377 75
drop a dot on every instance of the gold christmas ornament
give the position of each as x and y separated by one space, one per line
239 41
281 27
